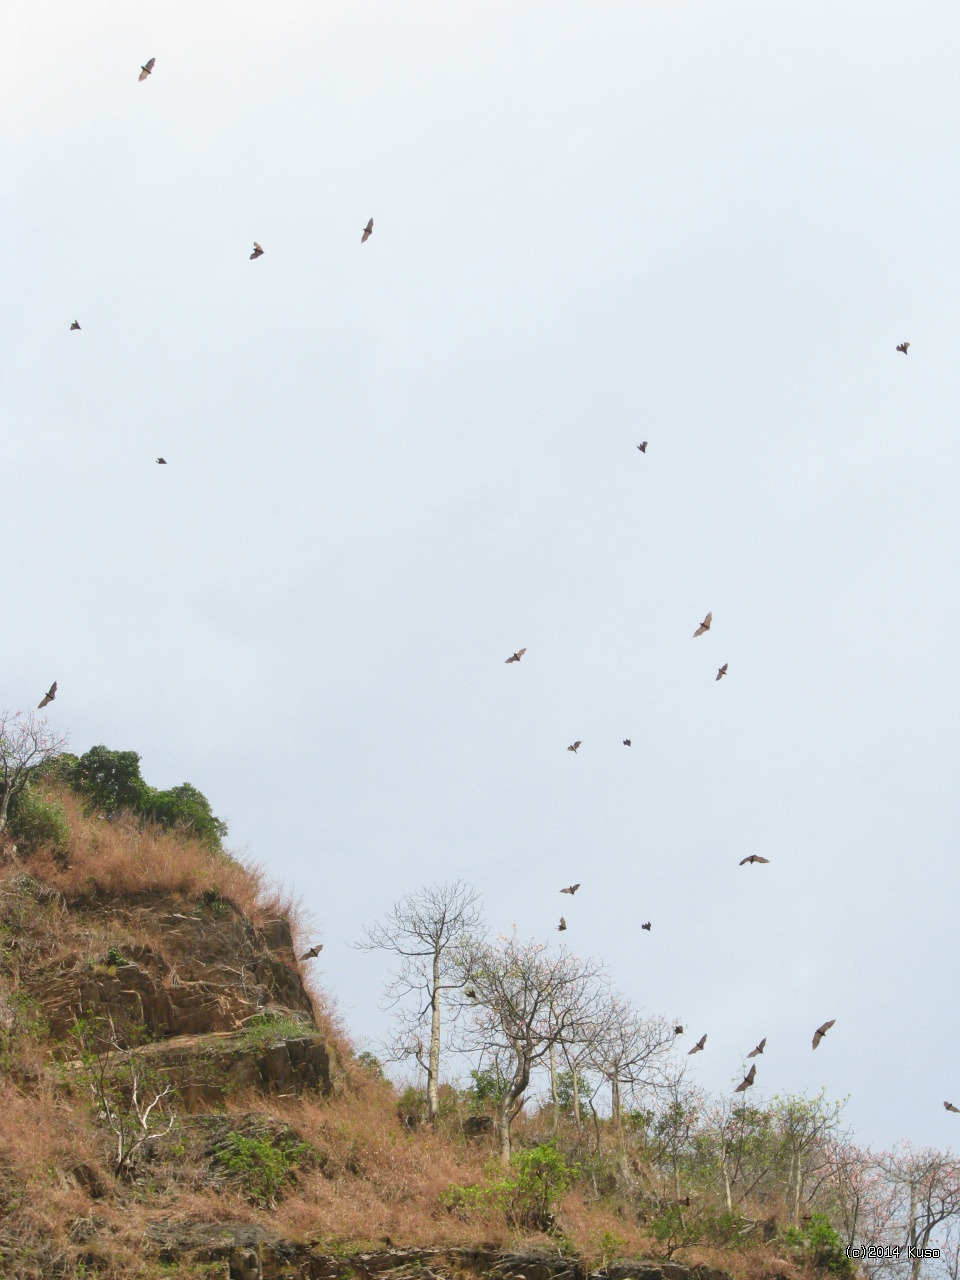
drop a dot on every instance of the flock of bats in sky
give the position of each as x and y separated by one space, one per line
752 858
903 347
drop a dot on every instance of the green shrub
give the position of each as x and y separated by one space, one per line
526 1193
820 1244
37 822
370 1062
262 1166
265 1028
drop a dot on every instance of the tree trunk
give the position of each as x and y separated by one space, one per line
726 1187
4 806
433 1070
576 1100
615 1101
553 1091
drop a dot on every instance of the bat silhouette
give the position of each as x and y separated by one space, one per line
904 347
759 1049
313 952
753 857
162 462
678 1030
48 696
642 447
698 1046
704 626
75 325
147 68
562 925
646 926
515 657
367 232
574 746
950 1107
821 1031
627 742
723 671
257 251
748 1079
571 889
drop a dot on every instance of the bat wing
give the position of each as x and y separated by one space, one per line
950 1107
822 1031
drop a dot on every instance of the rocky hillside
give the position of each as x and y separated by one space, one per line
175 1099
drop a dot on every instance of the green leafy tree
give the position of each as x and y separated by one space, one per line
184 807
110 780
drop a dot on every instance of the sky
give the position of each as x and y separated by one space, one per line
703 225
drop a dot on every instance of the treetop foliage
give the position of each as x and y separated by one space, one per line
111 782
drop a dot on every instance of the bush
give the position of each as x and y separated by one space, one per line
37 822
262 1166
820 1244
526 1193
266 1028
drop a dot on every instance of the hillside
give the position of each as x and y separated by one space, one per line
176 1098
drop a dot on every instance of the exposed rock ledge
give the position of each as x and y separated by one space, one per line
242 1251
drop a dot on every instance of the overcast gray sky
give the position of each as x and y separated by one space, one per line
705 225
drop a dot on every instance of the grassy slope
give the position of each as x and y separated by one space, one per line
365 1175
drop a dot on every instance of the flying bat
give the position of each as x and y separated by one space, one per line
575 745
571 889
723 671
48 696
753 857
367 232
903 346
821 1031
704 626
515 657
162 462
257 251
642 447
75 325
147 68
313 952
698 1046
646 926
678 1030
950 1107
627 742
747 1082
562 925
759 1049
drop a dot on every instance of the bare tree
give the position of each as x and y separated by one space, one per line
426 930
130 1098
926 1184
25 742
630 1052
527 1000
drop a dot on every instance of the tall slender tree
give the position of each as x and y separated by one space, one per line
426 931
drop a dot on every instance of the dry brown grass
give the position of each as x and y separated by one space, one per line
125 857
